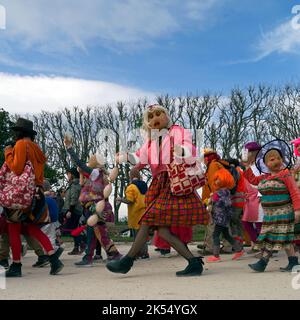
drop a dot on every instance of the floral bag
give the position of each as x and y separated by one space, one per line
37 212
17 191
184 178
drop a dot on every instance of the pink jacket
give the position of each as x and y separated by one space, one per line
149 154
251 208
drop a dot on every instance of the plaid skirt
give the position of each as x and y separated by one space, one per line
165 209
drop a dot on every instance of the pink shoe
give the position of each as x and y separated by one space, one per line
237 255
213 259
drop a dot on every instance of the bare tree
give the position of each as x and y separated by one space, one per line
284 121
242 118
257 113
262 100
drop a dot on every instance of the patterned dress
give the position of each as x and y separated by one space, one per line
165 209
162 207
280 199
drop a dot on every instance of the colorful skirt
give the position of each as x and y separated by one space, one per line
165 209
297 234
277 230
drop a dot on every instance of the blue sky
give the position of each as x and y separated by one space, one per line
127 49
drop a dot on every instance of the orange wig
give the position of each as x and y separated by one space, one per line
223 179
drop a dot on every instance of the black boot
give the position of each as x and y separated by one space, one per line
4 263
260 265
56 264
41 262
293 261
194 268
14 270
120 266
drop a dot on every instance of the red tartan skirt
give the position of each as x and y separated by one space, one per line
165 209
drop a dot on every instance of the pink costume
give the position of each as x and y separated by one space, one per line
149 154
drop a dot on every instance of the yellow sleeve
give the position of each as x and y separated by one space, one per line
131 193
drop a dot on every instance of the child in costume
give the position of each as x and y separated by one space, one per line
93 198
213 163
253 211
280 201
221 212
51 228
135 199
163 209
238 198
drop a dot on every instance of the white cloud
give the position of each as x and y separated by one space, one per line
283 39
31 94
198 10
62 26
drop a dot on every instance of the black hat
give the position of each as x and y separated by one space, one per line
24 125
74 172
280 146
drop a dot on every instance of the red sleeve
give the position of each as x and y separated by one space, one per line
86 175
15 157
249 175
293 190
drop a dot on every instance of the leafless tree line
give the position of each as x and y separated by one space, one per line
257 113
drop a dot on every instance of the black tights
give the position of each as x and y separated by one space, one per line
163 232
266 254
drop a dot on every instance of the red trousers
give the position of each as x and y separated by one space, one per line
185 234
14 233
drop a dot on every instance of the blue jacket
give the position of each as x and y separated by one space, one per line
53 209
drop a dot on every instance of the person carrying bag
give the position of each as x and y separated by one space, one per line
18 160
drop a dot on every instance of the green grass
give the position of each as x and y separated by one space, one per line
198 233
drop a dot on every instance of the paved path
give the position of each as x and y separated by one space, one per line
153 279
